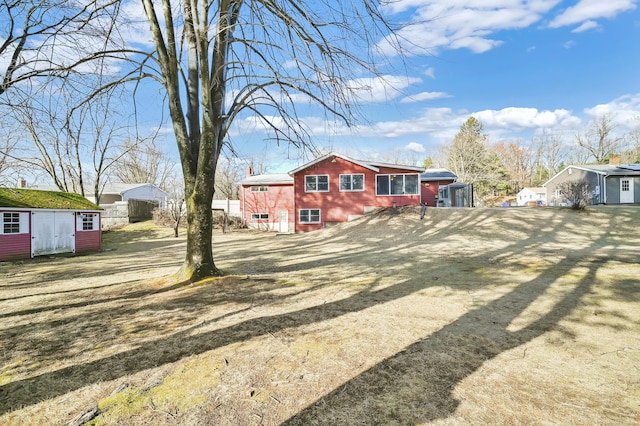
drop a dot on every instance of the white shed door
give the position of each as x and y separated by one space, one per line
283 221
52 232
626 190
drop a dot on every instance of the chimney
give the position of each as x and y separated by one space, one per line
249 171
22 183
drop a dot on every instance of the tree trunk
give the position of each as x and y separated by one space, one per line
198 263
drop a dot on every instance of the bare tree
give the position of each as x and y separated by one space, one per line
40 38
219 60
175 210
551 152
142 162
229 173
600 140
519 159
72 141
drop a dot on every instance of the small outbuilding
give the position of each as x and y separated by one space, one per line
36 223
430 182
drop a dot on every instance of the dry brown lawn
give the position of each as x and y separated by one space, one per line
483 316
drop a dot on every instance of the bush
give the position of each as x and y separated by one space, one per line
577 194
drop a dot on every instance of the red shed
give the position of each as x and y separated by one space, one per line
266 202
37 223
335 188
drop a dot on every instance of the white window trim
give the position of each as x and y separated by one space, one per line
95 221
23 221
316 177
351 190
309 210
403 184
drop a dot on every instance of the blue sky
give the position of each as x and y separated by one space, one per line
521 67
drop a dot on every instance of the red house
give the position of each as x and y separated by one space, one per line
266 202
431 180
37 223
335 188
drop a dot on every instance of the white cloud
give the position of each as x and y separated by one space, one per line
461 24
568 44
514 118
424 96
415 147
430 72
625 110
586 26
380 89
587 10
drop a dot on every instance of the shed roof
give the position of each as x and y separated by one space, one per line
30 198
268 179
121 188
437 174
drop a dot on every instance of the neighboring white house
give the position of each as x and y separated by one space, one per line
112 193
532 194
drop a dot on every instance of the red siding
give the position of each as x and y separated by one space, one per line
88 241
337 206
15 246
279 197
429 190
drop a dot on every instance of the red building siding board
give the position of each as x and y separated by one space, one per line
15 246
87 241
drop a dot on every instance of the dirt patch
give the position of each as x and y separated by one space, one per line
468 316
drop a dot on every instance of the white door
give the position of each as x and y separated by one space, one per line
52 232
283 221
626 190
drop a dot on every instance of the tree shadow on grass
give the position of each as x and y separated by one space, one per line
415 385
387 378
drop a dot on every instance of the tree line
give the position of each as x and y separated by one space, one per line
507 166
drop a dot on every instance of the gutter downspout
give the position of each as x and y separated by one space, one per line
604 189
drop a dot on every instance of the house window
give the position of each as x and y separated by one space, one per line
11 223
260 216
316 183
259 189
397 184
87 221
624 185
310 216
352 182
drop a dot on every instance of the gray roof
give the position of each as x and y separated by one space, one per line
268 179
609 169
437 174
